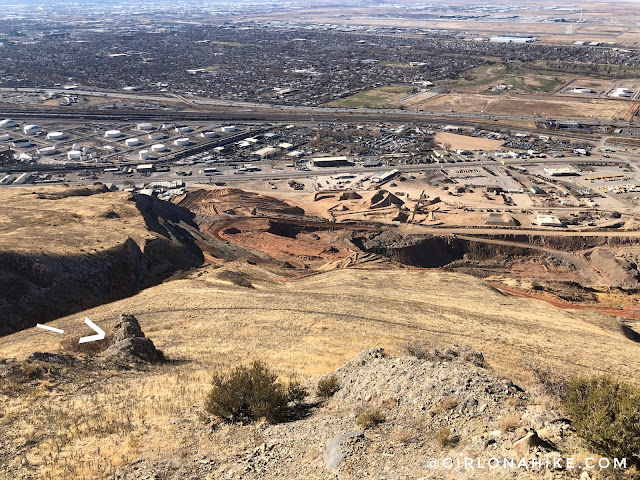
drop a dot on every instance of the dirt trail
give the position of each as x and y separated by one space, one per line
588 271
627 312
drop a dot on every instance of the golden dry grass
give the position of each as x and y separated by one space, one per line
67 220
310 326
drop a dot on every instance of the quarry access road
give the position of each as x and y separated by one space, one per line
583 267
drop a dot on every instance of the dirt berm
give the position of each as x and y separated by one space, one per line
430 251
63 250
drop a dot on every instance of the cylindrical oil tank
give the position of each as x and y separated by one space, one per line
31 129
158 147
55 136
132 142
47 151
182 142
113 133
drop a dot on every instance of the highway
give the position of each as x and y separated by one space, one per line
258 111
291 174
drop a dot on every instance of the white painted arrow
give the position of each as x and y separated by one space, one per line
92 338
47 327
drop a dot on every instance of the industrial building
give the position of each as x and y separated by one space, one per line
265 152
560 171
383 177
547 221
500 39
331 162
145 168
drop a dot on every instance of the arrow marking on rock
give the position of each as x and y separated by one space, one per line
92 338
46 327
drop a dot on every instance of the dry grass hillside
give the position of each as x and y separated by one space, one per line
109 418
64 249
313 324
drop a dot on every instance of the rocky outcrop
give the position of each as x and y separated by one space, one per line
129 342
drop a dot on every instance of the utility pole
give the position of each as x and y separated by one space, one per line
413 216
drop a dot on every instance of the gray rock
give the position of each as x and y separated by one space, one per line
130 343
336 453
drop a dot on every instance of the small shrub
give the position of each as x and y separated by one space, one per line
449 403
328 386
370 418
403 436
246 394
510 422
456 353
553 381
445 438
91 349
606 414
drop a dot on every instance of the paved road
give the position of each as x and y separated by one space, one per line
266 108
266 176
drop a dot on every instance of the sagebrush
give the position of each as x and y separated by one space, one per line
606 414
249 393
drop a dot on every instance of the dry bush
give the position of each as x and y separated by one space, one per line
449 403
90 349
446 438
370 418
246 394
554 381
456 353
510 422
328 386
402 436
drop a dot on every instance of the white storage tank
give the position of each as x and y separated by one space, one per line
21 143
209 134
5 137
55 136
7 123
132 142
158 147
167 126
47 151
85 149
74 155
229 128
112 133
76 146
144 154
157 136
183 129
182 142
145 126
31 129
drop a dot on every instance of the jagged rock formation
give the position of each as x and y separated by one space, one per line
129 342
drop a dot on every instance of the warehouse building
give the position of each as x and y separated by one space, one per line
331 162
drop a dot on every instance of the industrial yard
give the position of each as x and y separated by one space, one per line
432 174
